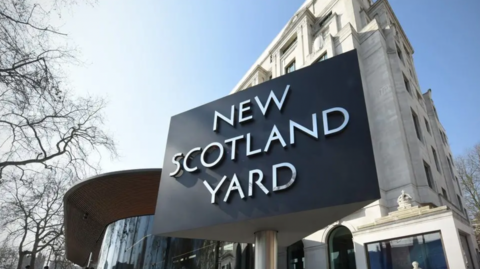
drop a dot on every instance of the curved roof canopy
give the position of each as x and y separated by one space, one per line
91 205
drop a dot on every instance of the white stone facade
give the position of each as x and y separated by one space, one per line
411 149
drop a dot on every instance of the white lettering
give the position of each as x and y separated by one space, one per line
244 108
212 191
258 181
313 132
234 185
275 99
227 120
187 157
234 145
206 150
251 152
177 163
325 120
274 175
274 135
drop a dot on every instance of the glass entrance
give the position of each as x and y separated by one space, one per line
340 249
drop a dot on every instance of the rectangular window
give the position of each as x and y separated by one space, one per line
426 249
437 164
460 202
417 125
428 173
407 84
427 126
407 54
325 19
288 45
444 192
458 185
290 68
444 137
399 52
323 57
450 167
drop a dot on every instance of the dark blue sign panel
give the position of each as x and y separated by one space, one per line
293 154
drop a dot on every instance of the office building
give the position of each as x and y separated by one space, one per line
420 220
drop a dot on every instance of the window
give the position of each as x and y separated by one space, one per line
437 164
406 52
270 58
427 126
399 52
450 167
466 250
289 44
460 202
417 125
290 68
458 185
323 57
296 256
341 252
270 77
426 249
444 193
407 84
325 19
453 164
428 173
444 137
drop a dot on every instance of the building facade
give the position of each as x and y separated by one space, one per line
421 200
419 222
129 244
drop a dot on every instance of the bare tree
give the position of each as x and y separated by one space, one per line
468 167
8 257
32 212
40 120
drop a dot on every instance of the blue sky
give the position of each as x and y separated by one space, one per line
154 59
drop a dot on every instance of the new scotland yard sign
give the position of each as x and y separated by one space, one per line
293 154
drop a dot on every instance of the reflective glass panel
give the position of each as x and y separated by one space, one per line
401 253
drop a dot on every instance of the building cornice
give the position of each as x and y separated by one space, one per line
258 69
301 13
397 23
406 215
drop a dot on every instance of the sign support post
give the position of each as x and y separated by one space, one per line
266 249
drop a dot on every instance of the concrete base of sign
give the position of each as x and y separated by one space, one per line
266 249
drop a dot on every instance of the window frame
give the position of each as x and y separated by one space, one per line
365 245
427 125
435 158
408 87
417 126
292 63
428 173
